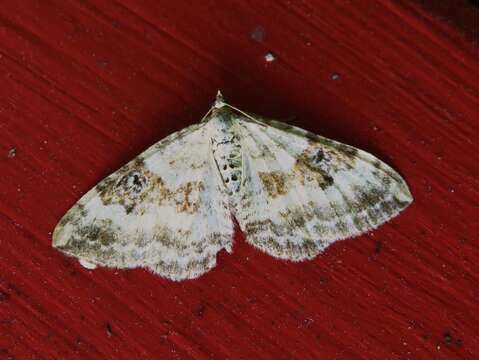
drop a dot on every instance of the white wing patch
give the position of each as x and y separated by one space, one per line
165 211
170 209
301 192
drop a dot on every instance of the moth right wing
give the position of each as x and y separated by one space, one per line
165 211
301 192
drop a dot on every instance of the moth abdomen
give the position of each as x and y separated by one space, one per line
226 149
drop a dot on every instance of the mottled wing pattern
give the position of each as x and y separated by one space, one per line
165 211
301 192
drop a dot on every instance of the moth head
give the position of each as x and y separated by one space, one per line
219 101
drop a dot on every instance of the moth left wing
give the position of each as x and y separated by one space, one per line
165 211
301 192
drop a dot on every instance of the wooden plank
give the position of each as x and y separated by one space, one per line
88 85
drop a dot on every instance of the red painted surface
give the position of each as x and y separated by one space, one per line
87 85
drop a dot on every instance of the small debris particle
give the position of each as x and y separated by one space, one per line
102 63
200 311
5 354
12 153
269 57
307 322
335 76
109 330
4 296
378 247
449 340
258 34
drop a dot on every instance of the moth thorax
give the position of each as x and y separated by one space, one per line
227 154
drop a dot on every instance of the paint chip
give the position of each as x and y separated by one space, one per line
108 329
269 57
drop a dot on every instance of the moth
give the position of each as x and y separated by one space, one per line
171 209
